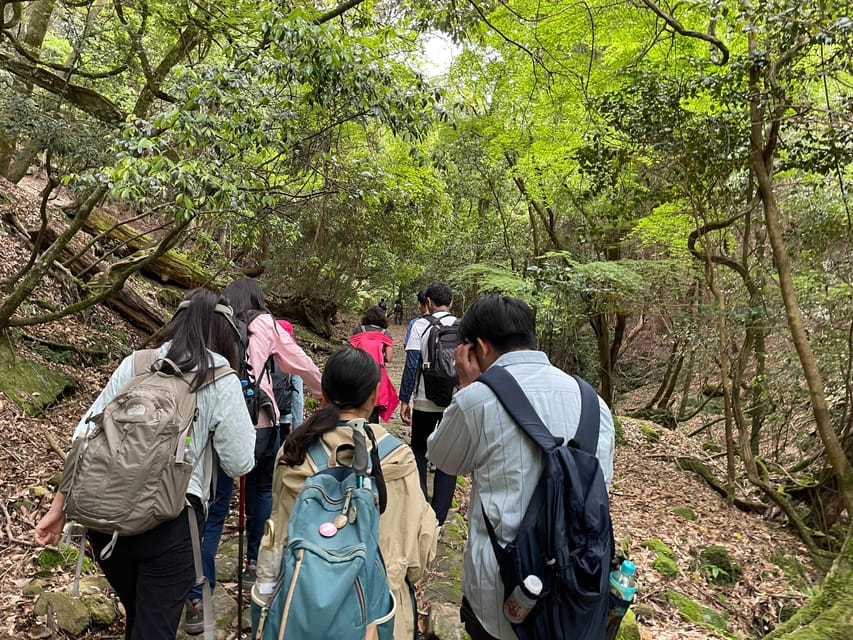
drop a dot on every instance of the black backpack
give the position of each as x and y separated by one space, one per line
256 399
566 535
438 360
282 387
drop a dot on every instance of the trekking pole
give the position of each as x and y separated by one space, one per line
361 459
241 527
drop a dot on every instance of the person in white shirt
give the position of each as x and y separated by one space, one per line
415 408
477 436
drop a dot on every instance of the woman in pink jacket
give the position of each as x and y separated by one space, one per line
266 340
372 336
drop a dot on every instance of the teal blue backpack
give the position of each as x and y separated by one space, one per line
332 582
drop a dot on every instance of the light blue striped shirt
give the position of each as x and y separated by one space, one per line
477 436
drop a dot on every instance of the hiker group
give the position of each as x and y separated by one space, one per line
338 516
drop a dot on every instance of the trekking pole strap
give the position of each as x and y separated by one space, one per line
206 594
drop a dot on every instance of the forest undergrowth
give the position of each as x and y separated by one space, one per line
655 505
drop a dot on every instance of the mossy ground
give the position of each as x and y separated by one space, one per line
30 385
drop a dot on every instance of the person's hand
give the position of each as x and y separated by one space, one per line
49 529
406 413
467 365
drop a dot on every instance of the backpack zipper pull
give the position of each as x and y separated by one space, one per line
342 518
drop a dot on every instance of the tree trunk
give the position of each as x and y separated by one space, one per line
34 276
761 163
15 165
598 322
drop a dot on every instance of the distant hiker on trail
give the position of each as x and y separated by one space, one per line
422 310
265 339
415 407
407 528
372 336
383 305
398 311
478 436
152 571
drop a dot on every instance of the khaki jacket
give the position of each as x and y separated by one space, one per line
408 530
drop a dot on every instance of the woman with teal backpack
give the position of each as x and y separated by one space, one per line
408 530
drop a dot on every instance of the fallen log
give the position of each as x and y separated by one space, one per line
130 305
700 468
174 266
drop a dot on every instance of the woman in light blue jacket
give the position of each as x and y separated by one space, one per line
153 571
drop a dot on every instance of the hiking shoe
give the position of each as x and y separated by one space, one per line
194 623
249 575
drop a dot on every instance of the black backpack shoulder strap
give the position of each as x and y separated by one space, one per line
514 400
586 437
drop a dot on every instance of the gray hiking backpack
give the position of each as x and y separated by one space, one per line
130 473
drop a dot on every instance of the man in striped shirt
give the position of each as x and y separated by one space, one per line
476 435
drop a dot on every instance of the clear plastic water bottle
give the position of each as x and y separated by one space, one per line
622 581
519 604
623 586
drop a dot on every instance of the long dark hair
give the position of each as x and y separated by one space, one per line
201 323
245 295
350 376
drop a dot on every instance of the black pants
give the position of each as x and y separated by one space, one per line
152 573
443 485
472 625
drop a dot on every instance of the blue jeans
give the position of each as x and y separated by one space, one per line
259 489
258 506
217 512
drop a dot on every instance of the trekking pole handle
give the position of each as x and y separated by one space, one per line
361 459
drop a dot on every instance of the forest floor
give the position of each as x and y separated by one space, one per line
652 499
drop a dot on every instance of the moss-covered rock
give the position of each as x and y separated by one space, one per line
652 434
642 611
444 622
665 562
685 512
629 629
717 566
620 432
66 557
30 385
34 587
96 584
71 613
102 610
447 586
692 611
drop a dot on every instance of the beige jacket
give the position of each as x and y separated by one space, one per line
408 530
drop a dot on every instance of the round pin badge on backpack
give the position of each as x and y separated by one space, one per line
328 529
